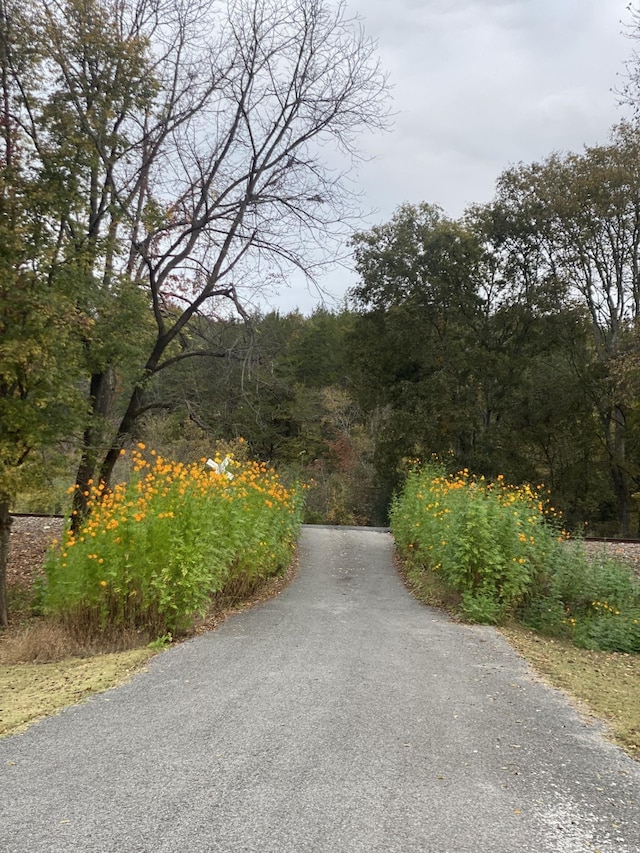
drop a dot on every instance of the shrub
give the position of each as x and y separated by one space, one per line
152 552
595 602
499 547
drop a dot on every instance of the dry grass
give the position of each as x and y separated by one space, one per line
606 684
47 641
45 667
29 692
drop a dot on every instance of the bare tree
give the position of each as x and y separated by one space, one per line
197 138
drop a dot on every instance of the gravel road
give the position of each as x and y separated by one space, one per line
341 716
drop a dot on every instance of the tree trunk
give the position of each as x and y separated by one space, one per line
125 429
5 530
616 446
135 405
101 395
623 502
100 398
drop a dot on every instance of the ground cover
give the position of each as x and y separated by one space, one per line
30 691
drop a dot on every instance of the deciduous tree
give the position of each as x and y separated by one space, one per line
39 324
197 136
583 212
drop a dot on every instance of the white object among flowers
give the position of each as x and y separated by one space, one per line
221 467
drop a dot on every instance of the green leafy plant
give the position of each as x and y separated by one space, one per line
161 642
152 552
486 540
595 602
500 549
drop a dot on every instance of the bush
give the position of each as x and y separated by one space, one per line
499 547
153 551
485 540
595 602
609 632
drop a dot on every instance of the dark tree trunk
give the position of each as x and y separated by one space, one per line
5 530
623 502
124 430
100 399
615 428
135 406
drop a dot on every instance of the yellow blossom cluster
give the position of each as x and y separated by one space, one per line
151 552
159 489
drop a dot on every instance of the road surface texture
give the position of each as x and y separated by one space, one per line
341 716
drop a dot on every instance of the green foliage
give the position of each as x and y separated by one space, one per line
152 552
66 310
462 346
46 489
161 642
609 632
40 327
283 385
498 547
485 540
38 400
578 213
595 602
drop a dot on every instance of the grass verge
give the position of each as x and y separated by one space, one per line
31 691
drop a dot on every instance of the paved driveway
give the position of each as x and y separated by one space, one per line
342 716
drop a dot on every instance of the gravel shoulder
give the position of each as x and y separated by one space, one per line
627 552
28 542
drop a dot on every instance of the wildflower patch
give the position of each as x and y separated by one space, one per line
153 551
501 548
485 539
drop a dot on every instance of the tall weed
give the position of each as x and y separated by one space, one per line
593 601
500 547
153 551
485 540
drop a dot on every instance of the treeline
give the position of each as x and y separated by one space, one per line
505 342
508 340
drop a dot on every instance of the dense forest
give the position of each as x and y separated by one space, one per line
506 342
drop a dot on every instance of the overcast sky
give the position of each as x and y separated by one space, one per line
479 85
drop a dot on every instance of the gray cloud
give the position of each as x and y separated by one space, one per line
479 85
